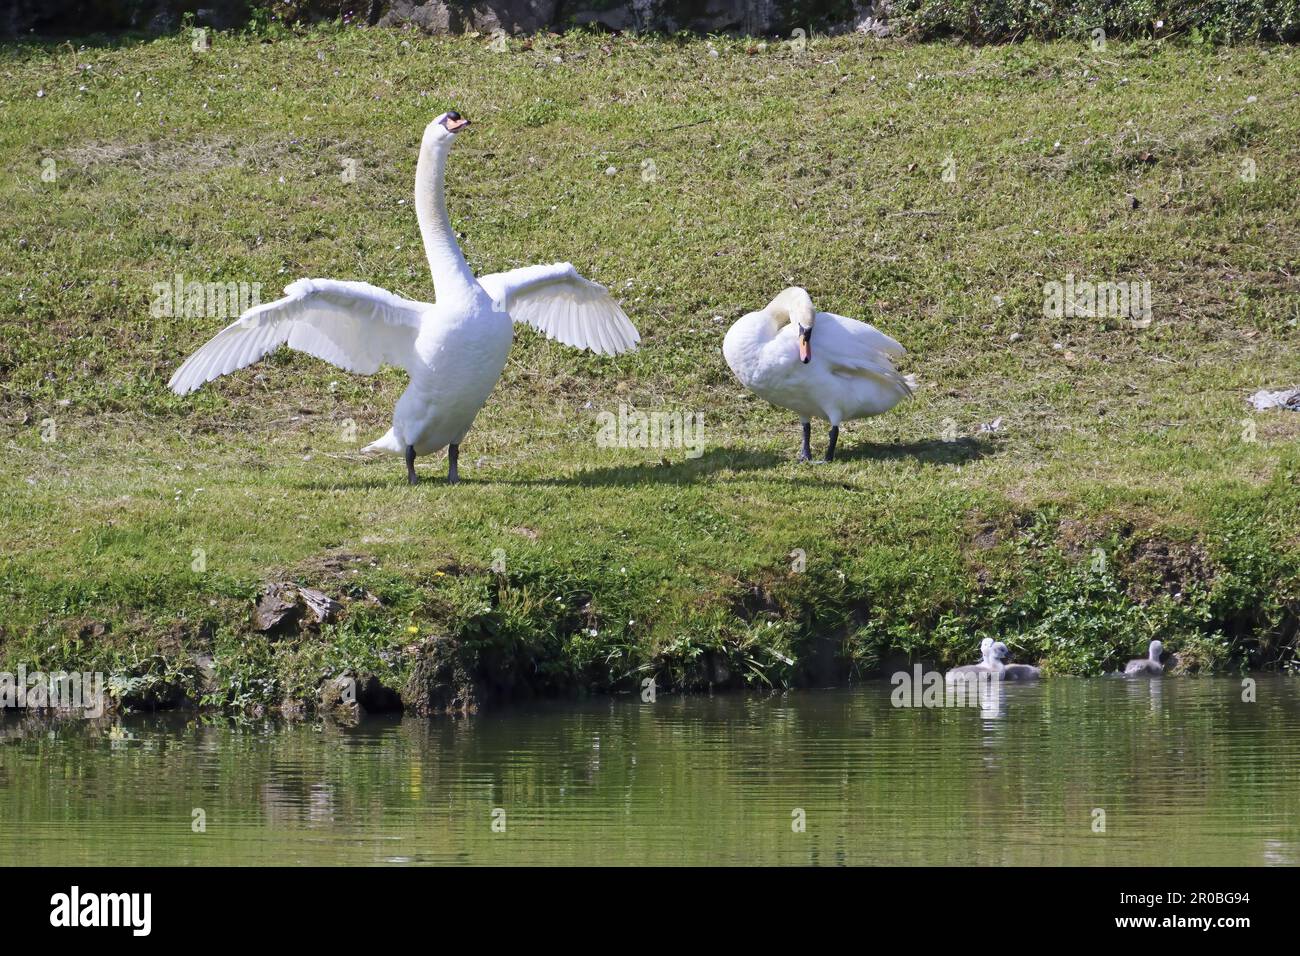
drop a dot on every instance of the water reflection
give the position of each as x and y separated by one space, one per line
991 699
1184 770
1280 853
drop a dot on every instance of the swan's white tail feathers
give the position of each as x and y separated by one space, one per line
386 444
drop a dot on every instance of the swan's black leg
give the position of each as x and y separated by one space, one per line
411 476
830 448
805 453
453 454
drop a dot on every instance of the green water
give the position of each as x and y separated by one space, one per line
1186 772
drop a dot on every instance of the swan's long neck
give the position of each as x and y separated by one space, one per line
791 305
452 278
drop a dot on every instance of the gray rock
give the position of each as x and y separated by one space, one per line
712 16
277 603
872 18
284 604
432 17
207 672
439 16
321 608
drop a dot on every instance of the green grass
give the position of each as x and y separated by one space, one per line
773 166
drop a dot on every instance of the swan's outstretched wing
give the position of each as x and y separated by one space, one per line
353 325
563 305
857 348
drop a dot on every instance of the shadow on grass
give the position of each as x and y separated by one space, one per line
683 472
680 472
931 452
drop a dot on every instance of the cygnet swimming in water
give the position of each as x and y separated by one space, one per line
1148 666
995 655
1021 672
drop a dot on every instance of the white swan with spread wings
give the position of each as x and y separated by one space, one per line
454 350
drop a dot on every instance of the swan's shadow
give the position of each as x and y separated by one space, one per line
687 471
680 472
932 451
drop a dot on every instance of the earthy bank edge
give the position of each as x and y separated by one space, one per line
1079 599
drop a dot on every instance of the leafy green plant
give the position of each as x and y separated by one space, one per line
1222 21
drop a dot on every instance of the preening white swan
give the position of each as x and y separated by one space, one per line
454 350
844 371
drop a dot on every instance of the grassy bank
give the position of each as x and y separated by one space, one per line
1128 493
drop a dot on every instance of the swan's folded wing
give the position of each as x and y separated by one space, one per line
353 325
867 335
563 305
856 348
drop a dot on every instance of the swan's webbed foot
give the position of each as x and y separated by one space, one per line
411 477
453 455
830 447
805 452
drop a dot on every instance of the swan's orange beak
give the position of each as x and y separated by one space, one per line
805 344
456 125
